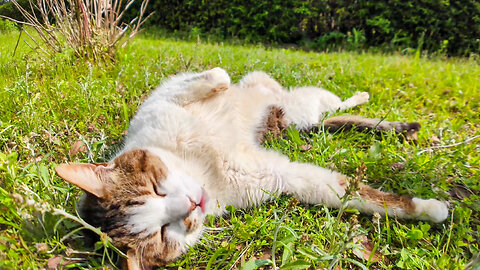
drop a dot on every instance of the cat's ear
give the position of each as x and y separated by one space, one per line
84 176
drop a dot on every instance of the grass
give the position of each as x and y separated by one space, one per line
49 108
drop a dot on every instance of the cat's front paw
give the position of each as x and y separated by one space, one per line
432 210
219 78
361 97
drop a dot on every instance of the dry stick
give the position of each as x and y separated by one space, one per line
123 12
13 20
241 254
446 146
141 23
110 14
18 41
143 8
122 32
85 19
38 45
33 20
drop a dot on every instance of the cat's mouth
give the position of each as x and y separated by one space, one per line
203 200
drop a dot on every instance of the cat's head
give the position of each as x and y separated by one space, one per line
151 211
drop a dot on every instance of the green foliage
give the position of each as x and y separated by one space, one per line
451 26
8 9
7 26
46 108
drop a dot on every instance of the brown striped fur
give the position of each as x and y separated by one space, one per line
129 183
407 130
378 197
274 125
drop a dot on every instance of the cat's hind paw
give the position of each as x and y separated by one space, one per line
219 78
432 210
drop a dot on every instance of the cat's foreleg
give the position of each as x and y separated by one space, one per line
186 88
357 99
314 185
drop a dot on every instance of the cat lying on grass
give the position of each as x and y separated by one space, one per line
194 147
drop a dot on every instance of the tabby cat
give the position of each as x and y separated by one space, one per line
194 147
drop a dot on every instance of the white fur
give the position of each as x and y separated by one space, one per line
180 188
431 209
207 139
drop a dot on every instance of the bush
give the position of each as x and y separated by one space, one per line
7 9
91 29
451 26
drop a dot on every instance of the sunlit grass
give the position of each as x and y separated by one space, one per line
49 107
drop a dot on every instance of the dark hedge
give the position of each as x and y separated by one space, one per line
451 27
445 26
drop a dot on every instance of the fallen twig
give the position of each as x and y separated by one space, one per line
447 146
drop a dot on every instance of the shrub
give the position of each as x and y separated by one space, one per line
452 26
93 29
7 9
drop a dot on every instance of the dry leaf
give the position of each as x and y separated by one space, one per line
101 119
435 140
460 192
54 262
267 255
397 166
365 249
41 247
305 147
78 146
92 128
57 261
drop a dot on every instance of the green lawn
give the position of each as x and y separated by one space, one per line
50 109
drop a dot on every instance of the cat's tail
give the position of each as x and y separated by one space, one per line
347 122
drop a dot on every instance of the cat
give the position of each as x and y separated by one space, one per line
194 147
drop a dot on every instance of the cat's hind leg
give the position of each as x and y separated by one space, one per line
261 78
186 88
314 185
